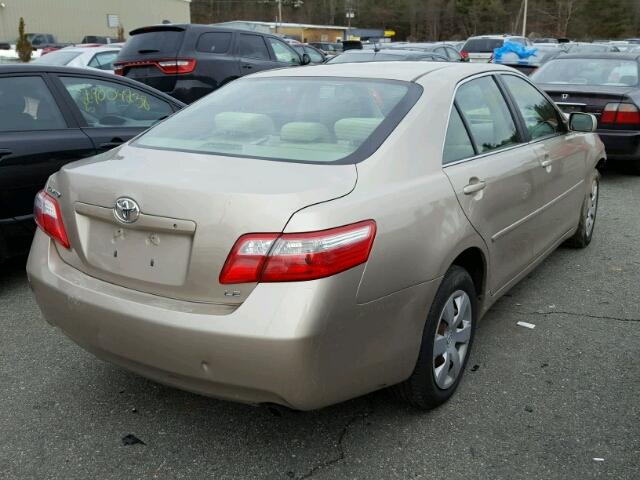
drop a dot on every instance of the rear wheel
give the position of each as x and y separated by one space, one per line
584 233
446 342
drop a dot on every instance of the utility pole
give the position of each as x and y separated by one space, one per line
279 16
524 20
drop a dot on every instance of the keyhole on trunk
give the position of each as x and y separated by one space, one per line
151 262
115 253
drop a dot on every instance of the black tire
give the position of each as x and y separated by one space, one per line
420 389
584 234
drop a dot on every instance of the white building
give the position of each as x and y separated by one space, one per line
71 20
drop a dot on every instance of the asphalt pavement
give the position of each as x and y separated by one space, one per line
560 401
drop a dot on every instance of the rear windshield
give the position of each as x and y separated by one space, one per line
157 42
299 119
588 71
59 57
482 45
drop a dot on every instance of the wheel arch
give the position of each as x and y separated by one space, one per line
474 260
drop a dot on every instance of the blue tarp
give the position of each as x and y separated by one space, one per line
512 52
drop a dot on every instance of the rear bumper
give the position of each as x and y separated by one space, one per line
303 345
621 145
16 235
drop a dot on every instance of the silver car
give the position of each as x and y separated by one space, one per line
304 236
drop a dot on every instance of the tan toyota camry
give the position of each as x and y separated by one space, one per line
305 236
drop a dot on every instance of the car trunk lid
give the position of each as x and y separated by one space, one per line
192 209
584 98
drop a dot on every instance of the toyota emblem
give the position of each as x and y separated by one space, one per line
126 210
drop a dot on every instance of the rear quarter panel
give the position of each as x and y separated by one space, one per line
420 226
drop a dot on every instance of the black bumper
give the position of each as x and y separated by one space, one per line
621 144
16 235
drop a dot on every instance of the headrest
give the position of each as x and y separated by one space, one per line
356 129
240 124
305 132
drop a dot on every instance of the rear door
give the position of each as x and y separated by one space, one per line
144 48
111 112
37 137
496 177
254 54
562 157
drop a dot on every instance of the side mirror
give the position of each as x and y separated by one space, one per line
306 59
582 122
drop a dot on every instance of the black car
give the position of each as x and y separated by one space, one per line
55 115
442 49
606 85
387 55
190 61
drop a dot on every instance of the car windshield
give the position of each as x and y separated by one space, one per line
317 120
482 45
59 57
588 71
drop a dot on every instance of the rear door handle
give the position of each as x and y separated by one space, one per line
248 67
475 185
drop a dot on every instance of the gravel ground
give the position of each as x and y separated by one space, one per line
541 403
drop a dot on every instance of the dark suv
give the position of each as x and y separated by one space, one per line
190 61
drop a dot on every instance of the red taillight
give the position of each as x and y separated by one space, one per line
295 257
177 66
464 55
46 211
620 114
169 66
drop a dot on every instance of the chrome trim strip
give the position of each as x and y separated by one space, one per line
515 225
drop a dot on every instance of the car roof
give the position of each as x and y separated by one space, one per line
494 37
405 71
602 55
43 68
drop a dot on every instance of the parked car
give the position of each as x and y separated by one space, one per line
329 48
101 58
386 55
316 56
55 115
310 254
480 48
190 61
45 40
584 47
99 39
606 85
442 49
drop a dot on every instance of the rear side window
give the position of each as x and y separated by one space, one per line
253 46
314 55
27 104
104 60
487 114
540 116
153 42
105 104
457 144
482 45
326 119
283 53
214 42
